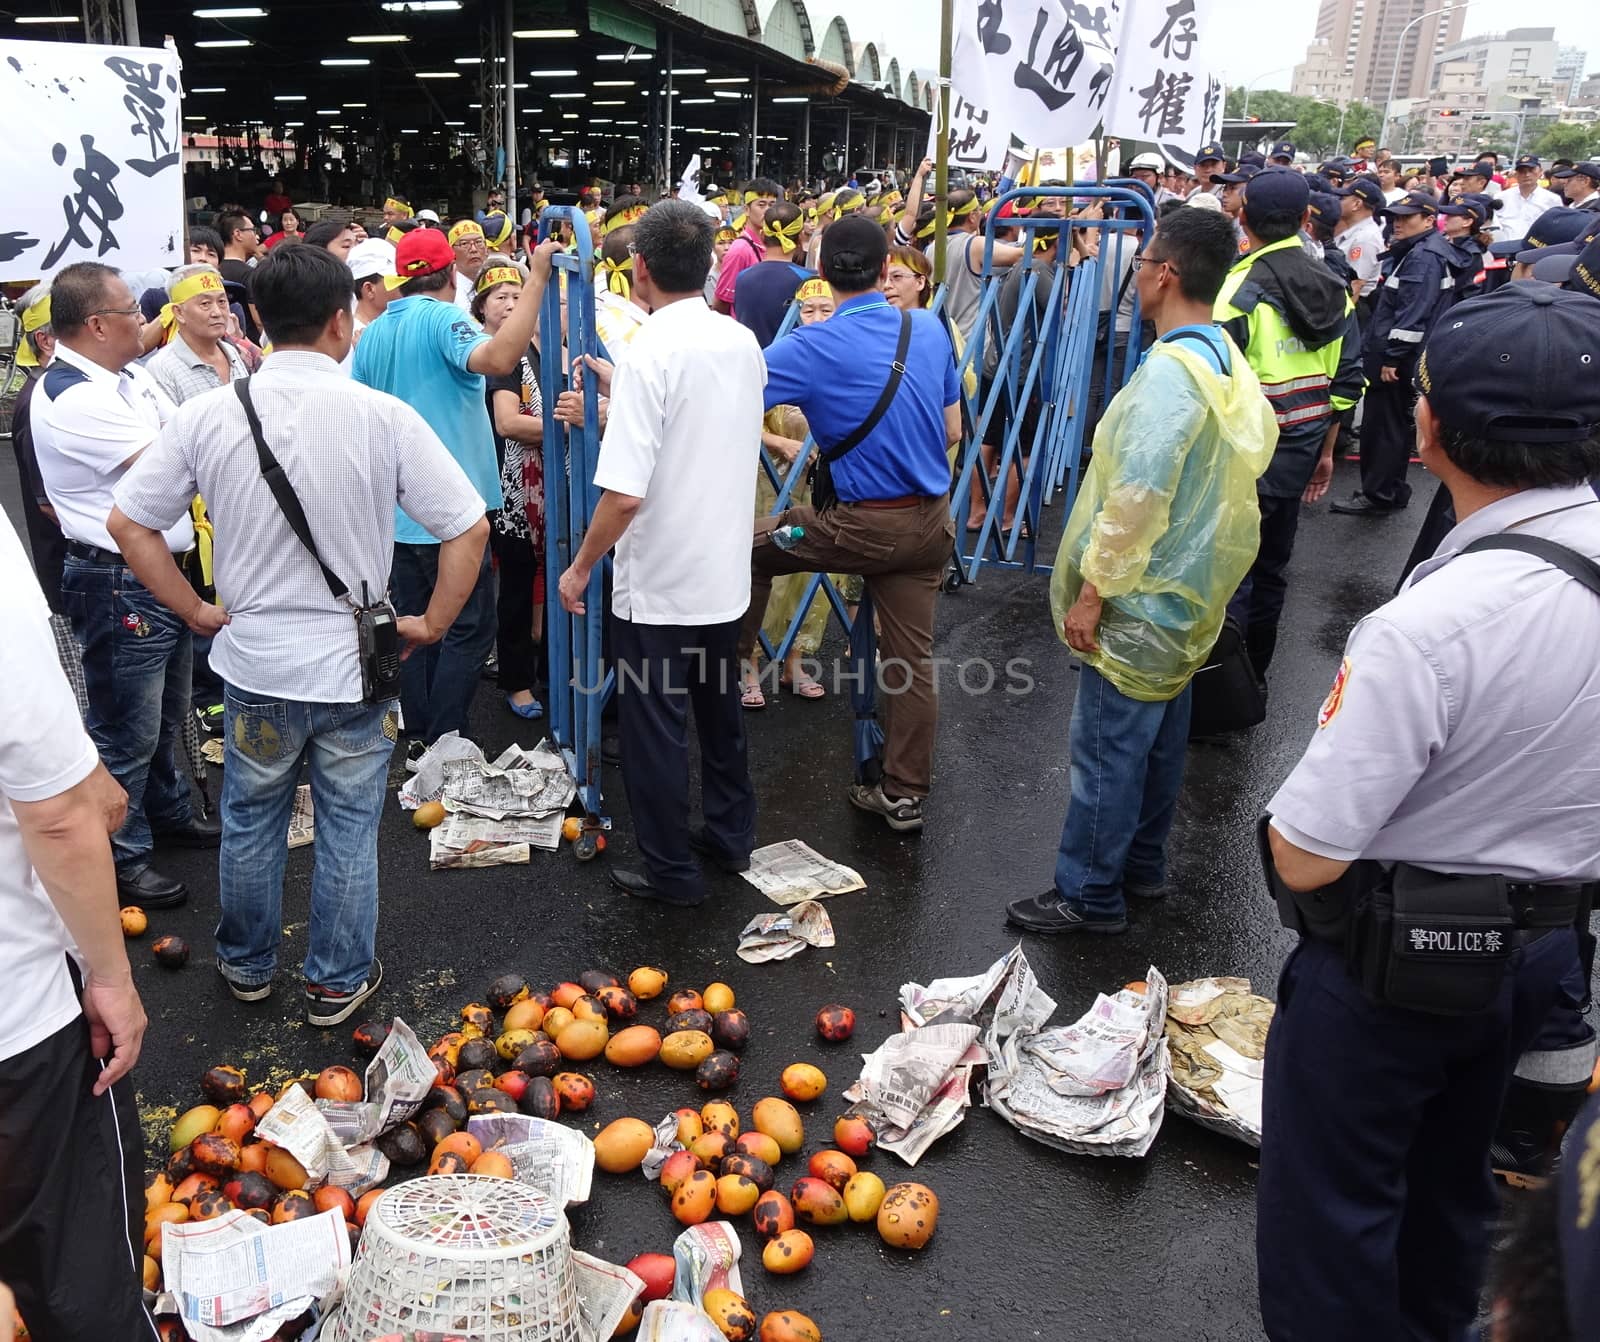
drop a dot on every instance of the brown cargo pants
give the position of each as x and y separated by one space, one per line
901 551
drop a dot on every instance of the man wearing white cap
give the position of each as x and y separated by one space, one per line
1148 168
370 263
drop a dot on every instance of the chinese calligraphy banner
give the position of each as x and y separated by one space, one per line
978 142
1167 87
93 162
1041 69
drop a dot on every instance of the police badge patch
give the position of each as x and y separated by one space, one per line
1335 700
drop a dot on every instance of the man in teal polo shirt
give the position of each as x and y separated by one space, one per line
892 522
430 354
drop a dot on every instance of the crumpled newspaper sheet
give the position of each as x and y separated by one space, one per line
675 1321
606 1291
396 1082
791 871
522 783
557 1160
301 1128
233 1279
916 1085
777 936
1096 1087
1217 1032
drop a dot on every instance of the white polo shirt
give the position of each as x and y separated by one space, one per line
683 434
1518 211
1362 244
88 424
44 751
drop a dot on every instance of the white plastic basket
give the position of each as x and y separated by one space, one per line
488 1259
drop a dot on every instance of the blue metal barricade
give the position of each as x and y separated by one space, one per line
579 684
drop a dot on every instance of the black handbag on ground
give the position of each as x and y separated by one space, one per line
1226 693
823 494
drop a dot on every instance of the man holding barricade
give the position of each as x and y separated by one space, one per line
1163 529
880 392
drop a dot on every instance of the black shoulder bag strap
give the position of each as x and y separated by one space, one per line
283 491
1581 567
823 495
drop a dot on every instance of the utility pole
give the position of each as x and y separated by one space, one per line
942 166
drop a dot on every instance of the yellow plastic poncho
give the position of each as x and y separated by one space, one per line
1166 522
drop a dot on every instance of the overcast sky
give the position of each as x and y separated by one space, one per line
910 30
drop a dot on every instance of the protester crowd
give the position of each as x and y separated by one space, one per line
298 489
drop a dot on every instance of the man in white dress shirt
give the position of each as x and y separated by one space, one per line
676 468
94 413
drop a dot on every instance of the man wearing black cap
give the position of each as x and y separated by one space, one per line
1416 289
870 367
1436 848
1295 324
1209 160
1281 154
1524 202
1581 184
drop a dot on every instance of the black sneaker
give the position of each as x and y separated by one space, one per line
210 719
260 993
324 1007
1151 890
1050 914
901 814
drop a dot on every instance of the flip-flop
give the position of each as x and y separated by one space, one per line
530 710
805 688
752 698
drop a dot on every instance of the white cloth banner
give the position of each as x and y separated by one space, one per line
1167 86
93 163
689 186
977 140
1040 68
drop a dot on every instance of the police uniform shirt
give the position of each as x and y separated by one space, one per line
1459 733
1362 244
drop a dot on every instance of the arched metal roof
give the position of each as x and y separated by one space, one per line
735 17
788 29
868 67
892 74
836 44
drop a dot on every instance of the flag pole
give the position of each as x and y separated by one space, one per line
942 167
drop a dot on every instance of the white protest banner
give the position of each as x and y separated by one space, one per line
1040 68
1167 87
977 140
98 176
689 187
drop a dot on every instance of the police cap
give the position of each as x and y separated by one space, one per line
1558 224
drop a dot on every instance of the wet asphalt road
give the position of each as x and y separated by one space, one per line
1032 1243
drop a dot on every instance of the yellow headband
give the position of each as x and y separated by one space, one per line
493 275
191 286
34 319
785 235
739 222
506 230
728 231
616 273
467 228
399 206
395 234
962 211
929 228
886 214
622 219
813 288
845 201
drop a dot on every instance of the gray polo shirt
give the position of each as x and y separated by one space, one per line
352 454
183 374
1460 732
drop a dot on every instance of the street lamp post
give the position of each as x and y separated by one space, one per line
1250 87
1338 135
1399 51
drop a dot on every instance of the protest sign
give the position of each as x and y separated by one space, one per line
1167 87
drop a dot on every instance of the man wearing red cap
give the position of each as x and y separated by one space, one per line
427 352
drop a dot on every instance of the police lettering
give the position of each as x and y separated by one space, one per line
1447 940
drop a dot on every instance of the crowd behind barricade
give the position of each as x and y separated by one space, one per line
296 488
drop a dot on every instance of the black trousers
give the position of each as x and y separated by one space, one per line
1388 434
518 645
663 669
1258 604
71 1210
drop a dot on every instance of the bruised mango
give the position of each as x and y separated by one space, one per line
853 1135
589 1008
620 1004
736 1194
817 1203
691 1126
647 982
511 1042
752 1167
732 1314
575 1091
476 1013
676 1169
224 1086
908 1216
788 1325
686 1050
772 1214
633 1047
720 1116
540 1099
836 1023
686 999
833 1167
507 990
759 1145
712 1148
788 1252
696 1198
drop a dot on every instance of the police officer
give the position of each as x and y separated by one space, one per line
1209 160
1418 278
1437 847
1281 155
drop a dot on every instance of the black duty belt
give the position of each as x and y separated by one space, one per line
93 554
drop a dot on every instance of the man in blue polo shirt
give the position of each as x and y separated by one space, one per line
892 520
430 354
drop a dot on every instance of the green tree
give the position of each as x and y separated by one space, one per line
1314 125
1566 139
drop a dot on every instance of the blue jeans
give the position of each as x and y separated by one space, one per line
437 683
264 741
136 667
1127 768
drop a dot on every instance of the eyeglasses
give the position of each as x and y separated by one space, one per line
1138 263
134 311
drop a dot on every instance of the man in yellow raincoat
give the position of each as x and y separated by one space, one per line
1164 527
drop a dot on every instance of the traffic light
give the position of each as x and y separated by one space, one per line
1449 111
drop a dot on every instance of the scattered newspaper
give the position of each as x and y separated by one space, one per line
397 1081
605 1293
1096 1087
497 813
236 1280
302 825
675 1321
777 936
296 1124
461 832
708 1260
476 854
1217 1032
427 781
790 872
662 1146
527 783
556 1160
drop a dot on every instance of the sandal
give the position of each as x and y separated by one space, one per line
804 687
751 697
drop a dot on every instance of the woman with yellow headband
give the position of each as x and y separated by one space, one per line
499 235
726 235
783 435
516 533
